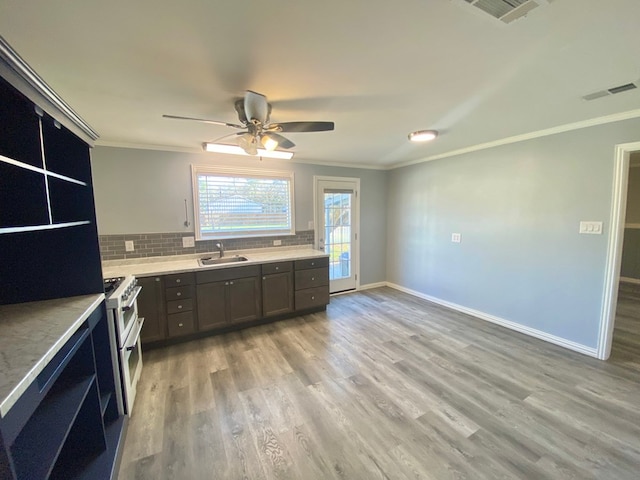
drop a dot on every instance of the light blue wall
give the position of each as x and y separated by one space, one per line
143 191
518 208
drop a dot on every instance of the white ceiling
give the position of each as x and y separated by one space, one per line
378 69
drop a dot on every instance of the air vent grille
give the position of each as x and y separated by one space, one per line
610 91
505 10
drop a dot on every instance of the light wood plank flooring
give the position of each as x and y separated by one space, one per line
385 386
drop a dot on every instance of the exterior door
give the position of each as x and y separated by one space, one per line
337 224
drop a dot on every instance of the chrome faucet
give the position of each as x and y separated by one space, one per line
220 248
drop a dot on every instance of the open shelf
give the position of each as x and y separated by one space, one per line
36 449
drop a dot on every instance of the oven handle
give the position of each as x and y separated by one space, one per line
132 299
132 340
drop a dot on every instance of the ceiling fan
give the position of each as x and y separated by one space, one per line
254 113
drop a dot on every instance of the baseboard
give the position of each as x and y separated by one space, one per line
630 280
372 285
568 344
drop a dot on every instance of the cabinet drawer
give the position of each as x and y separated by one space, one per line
314 277
178 306
180 324
312 297
178 293
281 267
312 263
179 279
229 273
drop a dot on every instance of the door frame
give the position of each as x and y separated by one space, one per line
614 246
356 180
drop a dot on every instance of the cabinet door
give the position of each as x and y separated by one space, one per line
244 301
277 294
151 307
212 305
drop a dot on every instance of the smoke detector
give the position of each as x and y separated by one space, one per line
506 10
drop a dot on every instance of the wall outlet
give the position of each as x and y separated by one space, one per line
128 246
591 228
277 243
188 242
456 237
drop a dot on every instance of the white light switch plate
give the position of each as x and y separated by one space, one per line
591 228
188 242
128 245
456 237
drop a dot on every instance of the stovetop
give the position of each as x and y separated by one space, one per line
110 284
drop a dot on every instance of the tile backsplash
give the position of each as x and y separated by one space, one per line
163 244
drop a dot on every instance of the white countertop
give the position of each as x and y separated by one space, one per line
30 336
145 267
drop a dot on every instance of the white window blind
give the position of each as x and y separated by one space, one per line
231 203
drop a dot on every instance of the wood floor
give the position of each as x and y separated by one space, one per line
387 386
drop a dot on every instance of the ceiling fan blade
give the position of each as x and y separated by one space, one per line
283 142
256 107
302 127
204 120
232 136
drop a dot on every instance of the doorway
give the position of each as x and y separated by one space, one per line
337 224
616 296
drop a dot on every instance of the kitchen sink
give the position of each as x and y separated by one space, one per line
221 260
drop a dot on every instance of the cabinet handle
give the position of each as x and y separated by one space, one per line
157 279
226 283
264 278
179 307
179 294
277 268
230 283
313 298
177 280
313 278
180 324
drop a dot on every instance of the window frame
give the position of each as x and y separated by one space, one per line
240 172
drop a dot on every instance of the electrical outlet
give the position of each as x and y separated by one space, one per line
277 243
188 242
591 228
456 237
128 246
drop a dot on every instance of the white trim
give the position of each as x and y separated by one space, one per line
34 228
630 280
614 246
616 117
369 286
532 332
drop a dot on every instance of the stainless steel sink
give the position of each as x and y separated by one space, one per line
221 260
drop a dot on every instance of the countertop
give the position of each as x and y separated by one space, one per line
30 336
146 267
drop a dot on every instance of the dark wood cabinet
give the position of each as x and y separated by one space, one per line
212 305
277 288
311 283
151 307
244 300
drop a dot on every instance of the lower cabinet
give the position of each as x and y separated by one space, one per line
151 307
212 299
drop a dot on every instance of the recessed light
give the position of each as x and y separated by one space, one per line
423 135
235 150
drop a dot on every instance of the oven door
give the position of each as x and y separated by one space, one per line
128 315
131 364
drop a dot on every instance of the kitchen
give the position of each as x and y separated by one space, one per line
544 185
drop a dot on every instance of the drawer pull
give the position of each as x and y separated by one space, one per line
179 307
230 283
180 324
313 298
313 278
157 279
179 294
313 263
177 280
277 268
264 278
226 283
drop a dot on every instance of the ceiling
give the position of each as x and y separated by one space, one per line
378 69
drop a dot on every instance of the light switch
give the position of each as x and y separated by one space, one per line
456 237
188 242
128 246
591 228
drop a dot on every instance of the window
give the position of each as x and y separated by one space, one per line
233 202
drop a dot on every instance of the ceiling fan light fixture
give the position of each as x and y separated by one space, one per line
423 135
269 143
236 150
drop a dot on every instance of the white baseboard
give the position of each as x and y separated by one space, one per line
630 280
576 347
372 285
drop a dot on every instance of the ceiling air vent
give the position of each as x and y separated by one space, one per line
506 10
610 91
